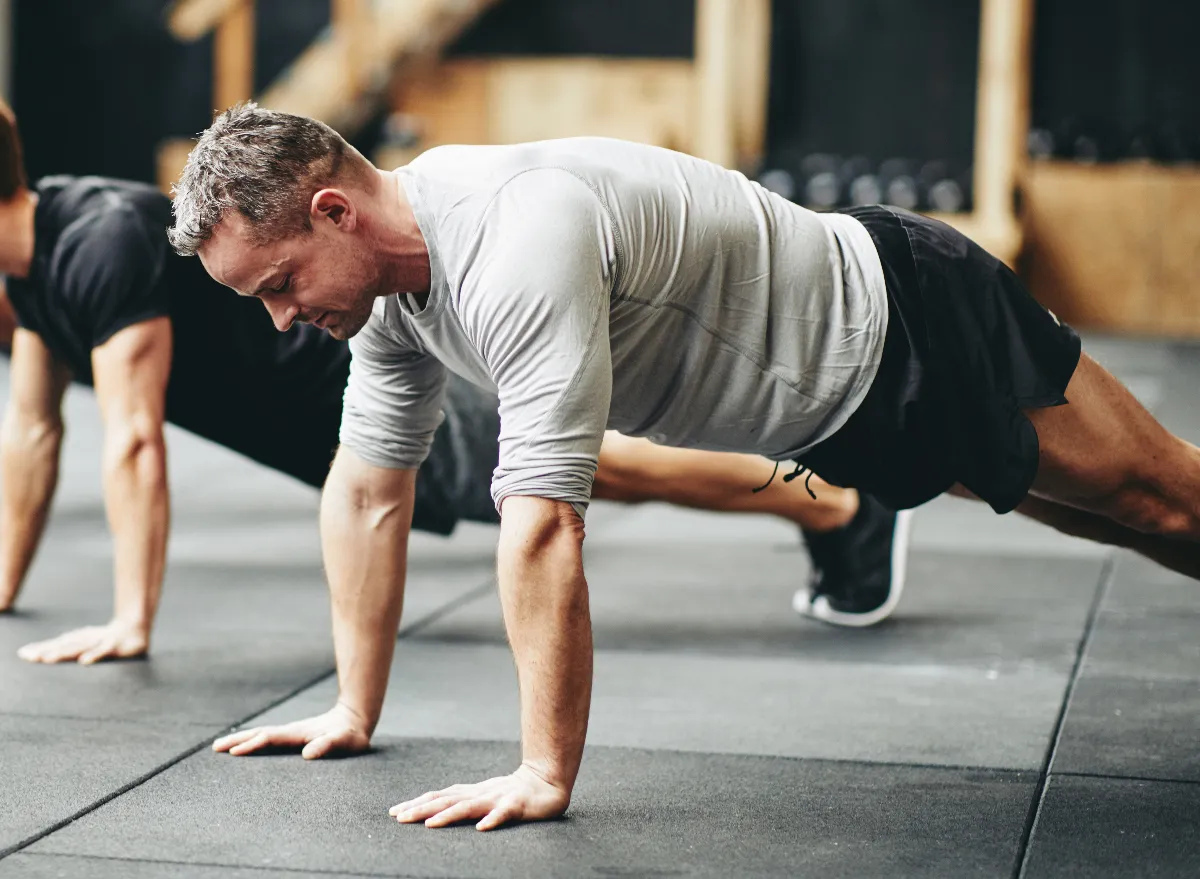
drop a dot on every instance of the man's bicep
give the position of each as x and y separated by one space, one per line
393 401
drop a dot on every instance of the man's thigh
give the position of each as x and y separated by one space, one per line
1104 443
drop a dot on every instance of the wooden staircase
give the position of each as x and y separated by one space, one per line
340 79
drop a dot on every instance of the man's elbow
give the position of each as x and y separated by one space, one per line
541 525
138 443
374 497
26 435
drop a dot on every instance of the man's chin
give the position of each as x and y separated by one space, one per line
346 328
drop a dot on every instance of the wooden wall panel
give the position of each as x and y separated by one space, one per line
1115 247
513 100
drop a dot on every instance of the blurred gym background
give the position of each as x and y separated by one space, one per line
1064 135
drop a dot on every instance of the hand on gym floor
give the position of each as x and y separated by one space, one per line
339 730
522 796
116 640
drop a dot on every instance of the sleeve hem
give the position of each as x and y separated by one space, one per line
125 323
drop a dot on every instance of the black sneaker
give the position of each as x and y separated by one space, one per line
858 569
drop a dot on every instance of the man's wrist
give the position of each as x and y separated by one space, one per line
551 772
361 718
139 621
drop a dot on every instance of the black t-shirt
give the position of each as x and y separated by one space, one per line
102 263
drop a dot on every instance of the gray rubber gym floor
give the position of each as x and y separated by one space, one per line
1030 711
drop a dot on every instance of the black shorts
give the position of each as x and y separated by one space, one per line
967 349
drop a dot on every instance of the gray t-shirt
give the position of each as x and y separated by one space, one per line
597 284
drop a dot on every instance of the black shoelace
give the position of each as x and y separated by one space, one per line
788 477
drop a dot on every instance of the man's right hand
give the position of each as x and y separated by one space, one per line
339 730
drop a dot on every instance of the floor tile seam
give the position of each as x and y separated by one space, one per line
1103 586
444 610
838 761
1058 667
132 721
1110 776
429 618
157 770
227 866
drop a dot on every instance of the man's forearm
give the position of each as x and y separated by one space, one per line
364 541
545 600
138 504
29 455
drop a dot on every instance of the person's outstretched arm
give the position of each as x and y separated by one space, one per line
536 305
30 442
131 370
545 601
366 513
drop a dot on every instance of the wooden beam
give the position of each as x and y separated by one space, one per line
233 56
189 20
351 24
171 157
399 35
715 65
751 81
1001 106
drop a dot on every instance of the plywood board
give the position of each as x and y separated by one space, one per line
513 100
1116 247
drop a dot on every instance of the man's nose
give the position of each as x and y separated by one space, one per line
283 314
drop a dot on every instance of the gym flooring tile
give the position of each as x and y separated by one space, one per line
729 737
1089 827
635 813
943 716
1178 410
206 678
70 867
994 613
1135 704
53 770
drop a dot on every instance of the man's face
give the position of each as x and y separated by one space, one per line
326 277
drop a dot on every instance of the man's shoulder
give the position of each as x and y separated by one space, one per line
106 222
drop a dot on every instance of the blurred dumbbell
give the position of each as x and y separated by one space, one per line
822 187
938 188
899 181
779 181
1040 143
1087 141
866 189
1144 143
860 185
823 191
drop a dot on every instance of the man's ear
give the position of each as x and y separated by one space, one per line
333 205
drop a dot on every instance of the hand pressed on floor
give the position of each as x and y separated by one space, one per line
116 640
522 796
339 730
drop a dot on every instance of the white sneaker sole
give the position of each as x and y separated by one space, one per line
819 609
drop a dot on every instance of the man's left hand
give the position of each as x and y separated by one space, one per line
522 796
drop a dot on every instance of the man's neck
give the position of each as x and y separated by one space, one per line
17 234
401 243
